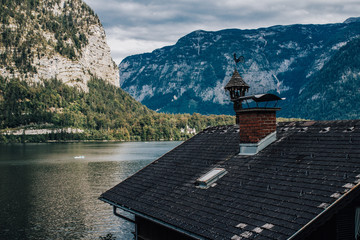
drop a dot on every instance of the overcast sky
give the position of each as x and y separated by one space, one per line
138 26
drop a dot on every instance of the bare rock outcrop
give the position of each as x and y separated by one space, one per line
55 39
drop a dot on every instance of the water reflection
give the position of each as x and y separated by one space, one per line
45 193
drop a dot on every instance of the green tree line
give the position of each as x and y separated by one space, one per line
105 112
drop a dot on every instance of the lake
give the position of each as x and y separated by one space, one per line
51 190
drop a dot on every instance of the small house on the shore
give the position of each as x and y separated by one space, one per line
257 179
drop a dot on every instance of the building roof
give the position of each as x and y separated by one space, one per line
284 191
236 81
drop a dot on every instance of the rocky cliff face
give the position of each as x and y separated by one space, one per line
190 75
60 39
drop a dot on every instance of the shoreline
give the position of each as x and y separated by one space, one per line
63 137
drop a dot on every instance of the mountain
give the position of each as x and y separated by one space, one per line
352 20
58 81
63 39
190 75
334 91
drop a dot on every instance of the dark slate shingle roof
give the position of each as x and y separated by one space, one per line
270 195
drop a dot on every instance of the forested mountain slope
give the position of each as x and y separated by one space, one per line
334 91
105 112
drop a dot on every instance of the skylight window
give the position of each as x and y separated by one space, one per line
210 178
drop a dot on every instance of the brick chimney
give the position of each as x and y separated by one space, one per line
257 124
257 129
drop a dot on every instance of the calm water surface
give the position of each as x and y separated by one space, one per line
47 193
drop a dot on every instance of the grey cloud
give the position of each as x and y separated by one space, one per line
132 22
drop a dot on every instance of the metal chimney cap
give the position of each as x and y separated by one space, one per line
268 97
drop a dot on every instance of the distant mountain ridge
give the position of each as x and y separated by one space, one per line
190 75
352 20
